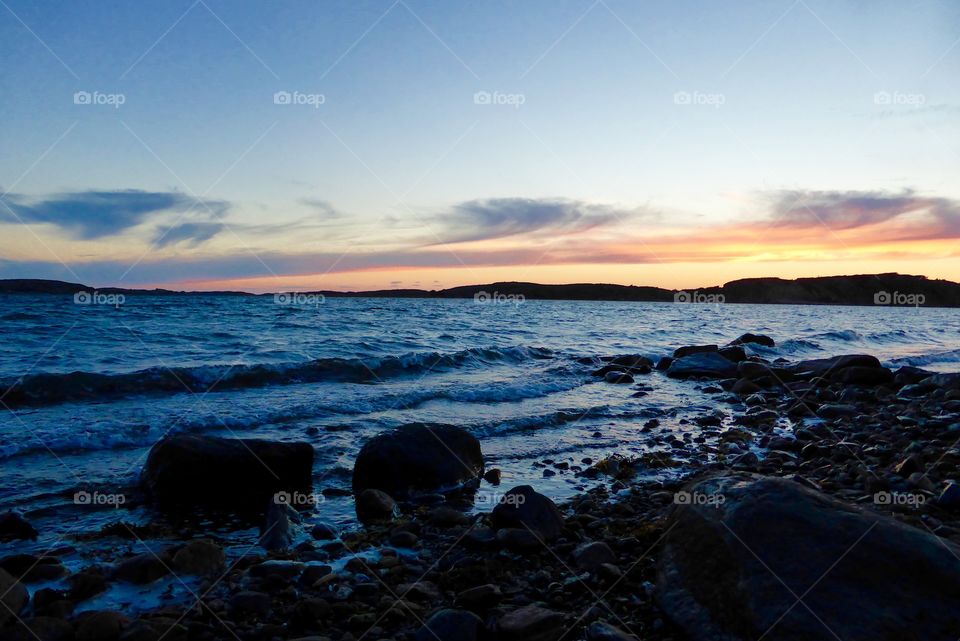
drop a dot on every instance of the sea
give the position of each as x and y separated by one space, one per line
90 385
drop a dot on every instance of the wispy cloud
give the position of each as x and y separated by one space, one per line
192 234
495 218
89 215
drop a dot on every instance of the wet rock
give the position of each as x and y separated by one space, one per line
492 476
141 569
745 386
278 530
201 557
836 410
418 456
13 597
866 376
100 626
277 569
617 377
909 465
712 583
404 539
187 470
664 363
531 623
759 339
13 527
590 556
446 516
29 568
734 353
324 531
825 366
523 507
705 365
689 350
451 625
375 505
85 584
602 631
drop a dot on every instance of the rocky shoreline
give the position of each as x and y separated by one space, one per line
821 504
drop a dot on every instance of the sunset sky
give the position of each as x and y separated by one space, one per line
369 144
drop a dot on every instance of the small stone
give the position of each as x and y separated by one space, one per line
404 539
480 597
602 631
100 626
590 556
446 516
493 476
201 557
519 540
950 496
324 531
13 597
141 569
531 623
375 505
14 527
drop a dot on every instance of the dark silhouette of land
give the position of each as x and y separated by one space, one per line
889 289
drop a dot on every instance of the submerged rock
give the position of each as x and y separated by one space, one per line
185 470
733 569
706 365
14 527
418 456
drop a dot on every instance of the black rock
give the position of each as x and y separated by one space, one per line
688 350
451 625
184 471
733 569
14 527
418 456
524 508
704 365
759 339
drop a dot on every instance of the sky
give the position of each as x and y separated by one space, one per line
377 144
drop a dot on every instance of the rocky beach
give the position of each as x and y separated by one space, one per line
816 501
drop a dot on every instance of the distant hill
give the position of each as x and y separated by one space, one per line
865 289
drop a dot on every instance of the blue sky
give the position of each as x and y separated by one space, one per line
620 132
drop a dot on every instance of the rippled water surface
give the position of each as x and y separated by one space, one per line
338 372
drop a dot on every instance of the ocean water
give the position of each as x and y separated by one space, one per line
99 384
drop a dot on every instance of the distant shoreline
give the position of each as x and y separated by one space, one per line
890 289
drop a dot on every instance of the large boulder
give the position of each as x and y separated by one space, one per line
418 457
757 339
689 350
752 557
185 471
525 508
702 365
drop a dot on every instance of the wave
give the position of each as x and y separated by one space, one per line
920 360
50 389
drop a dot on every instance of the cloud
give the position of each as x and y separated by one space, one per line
504 217
321 207
89 215
844 209
192 233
